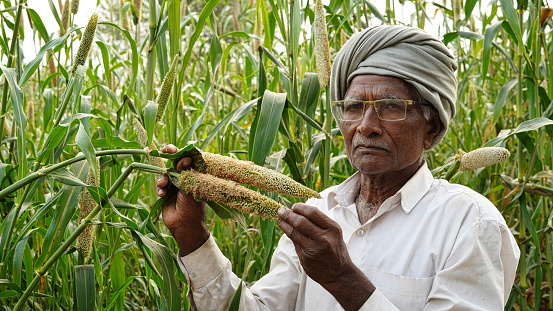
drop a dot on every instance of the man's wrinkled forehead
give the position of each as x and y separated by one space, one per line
373 87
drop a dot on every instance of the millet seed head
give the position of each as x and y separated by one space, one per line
7 127
245 172
166 89
482 157
31 112
87 204
74 6
322 49
85 240
137 11
140 133
210 188
157 161
143 140
65 12
52 68
125 23
86 43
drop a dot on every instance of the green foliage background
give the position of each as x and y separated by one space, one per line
246 87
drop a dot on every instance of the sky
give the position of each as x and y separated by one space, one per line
86 9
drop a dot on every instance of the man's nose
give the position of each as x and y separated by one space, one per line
370 123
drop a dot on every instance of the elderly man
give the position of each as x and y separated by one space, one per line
390 237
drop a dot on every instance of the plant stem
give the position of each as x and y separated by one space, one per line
44 171
388 11
151 64
548 257
328 129
61 111
174 41
453 169
520 168
292 54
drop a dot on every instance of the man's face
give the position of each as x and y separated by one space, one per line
378 147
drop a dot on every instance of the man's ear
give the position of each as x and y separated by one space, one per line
433 127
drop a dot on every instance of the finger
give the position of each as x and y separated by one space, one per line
285 227
315 215
300 223
291 232
169 149
183 163
162 180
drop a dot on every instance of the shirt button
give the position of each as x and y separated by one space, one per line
360 232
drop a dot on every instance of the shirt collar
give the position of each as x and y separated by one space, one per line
409 195
345 193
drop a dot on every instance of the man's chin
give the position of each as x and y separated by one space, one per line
372 168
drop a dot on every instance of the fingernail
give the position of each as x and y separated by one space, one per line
159 191
281 210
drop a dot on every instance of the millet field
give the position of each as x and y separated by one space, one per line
85 111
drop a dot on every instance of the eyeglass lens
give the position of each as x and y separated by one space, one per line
390 110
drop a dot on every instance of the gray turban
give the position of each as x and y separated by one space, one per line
402 52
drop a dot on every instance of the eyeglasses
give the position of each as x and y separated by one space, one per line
386 109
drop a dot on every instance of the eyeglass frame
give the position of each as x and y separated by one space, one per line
408 102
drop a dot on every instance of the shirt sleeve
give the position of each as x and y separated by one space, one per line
212 283
377 301
479 272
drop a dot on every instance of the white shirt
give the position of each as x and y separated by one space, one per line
431 246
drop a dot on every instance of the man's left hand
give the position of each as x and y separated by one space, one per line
318 241
323 254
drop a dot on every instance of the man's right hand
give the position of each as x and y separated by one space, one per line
182 214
